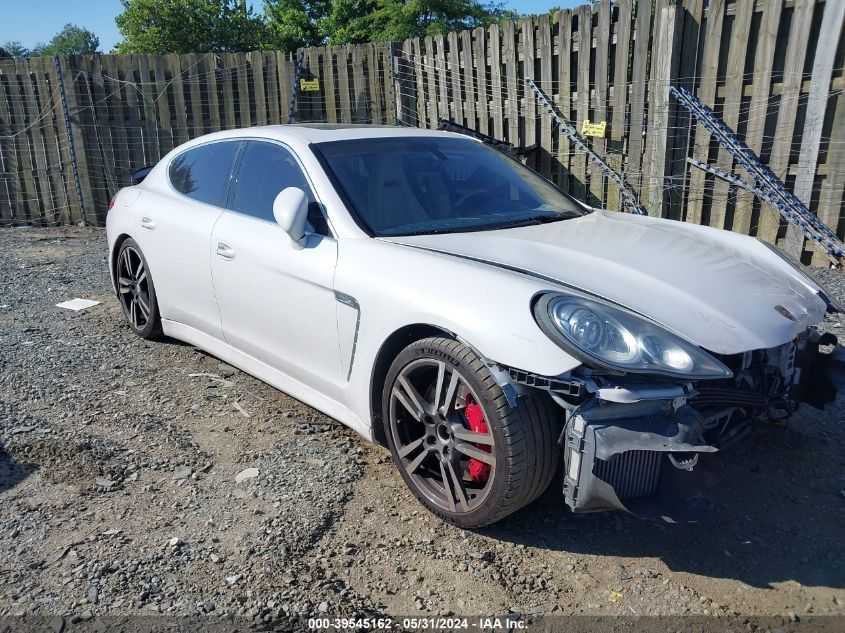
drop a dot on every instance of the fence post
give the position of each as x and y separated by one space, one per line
394 80
295 92
71 141
660 116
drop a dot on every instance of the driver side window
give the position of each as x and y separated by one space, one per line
265 170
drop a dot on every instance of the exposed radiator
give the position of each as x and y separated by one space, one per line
632 474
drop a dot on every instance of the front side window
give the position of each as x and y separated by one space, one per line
435 184
202 173
265 170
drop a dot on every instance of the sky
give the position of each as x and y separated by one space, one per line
34 21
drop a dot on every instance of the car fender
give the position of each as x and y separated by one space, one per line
486 307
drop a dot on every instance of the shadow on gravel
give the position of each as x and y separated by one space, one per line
12 472
777 516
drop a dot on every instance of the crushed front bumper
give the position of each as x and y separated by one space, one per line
646 453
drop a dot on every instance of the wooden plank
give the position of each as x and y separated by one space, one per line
53 141
256 60
597 179
181 132
828 42
616 143
8 158
419 85
530 101
761 83
329 81
457 108
479 54
511 67
639 66
343 84
442 79
147 99
564 103
77 133
359 81
166 141
190 76
105 154
271 87
209 71
242 73
131 112
74 213
314 100
707 95
389 84
112 118
45 201
544 53
496 100
284 69
793 68
585 29
679 139
27 207
737 52
431 82
830 196
468 79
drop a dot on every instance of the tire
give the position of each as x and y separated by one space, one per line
136 291
441 448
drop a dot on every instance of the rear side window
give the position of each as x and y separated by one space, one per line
203 173
265 170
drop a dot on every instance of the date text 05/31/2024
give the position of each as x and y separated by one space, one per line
417 624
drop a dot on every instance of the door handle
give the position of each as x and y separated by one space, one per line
224 251
147 223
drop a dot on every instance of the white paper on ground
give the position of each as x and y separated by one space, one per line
77 304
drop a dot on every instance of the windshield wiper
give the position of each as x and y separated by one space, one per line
533 220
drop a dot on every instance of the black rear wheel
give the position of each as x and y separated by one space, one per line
136 291
464 452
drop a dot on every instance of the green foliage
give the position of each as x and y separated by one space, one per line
71 40
13 48
188 26
295 23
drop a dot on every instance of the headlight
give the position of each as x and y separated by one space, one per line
806 273
612 338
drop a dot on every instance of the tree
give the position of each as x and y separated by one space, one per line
295 23
188 26
14 49
71 40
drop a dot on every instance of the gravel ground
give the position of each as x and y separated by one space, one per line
149 478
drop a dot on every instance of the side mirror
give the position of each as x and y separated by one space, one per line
290 208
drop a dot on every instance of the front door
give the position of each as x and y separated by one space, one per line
276 300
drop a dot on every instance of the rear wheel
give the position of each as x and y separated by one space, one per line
136 291
465 453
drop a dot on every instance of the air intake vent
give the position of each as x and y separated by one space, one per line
632 474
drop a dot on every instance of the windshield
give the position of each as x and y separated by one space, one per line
416 185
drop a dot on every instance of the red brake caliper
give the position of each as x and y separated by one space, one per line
479 472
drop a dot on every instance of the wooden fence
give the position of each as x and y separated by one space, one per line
771 69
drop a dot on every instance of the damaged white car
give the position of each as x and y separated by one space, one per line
439 297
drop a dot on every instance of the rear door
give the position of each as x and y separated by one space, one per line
276 299
175 234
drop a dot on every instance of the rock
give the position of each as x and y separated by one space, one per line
57 624
231 580
182 473
623 574
105 482
323 607
93 594
56 556
175 542
248 473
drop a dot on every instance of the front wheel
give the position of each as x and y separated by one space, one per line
466 454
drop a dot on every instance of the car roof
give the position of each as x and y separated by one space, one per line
325 132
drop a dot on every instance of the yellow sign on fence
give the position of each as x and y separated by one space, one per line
310 85
593 129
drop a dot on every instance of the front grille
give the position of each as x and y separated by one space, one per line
632 474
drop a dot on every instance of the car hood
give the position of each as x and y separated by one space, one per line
723 291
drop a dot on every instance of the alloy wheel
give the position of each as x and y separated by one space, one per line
441 435
134 286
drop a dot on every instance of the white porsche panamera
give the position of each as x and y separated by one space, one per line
439 297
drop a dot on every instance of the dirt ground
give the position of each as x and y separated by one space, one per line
122 493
